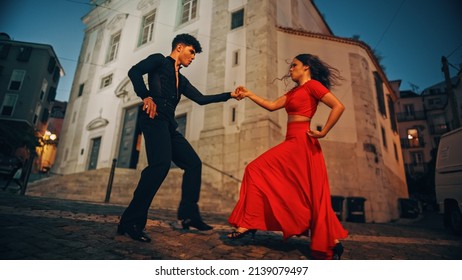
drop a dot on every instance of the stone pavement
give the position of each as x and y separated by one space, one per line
54 229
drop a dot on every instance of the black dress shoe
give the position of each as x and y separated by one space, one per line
134 232
337 251
196 223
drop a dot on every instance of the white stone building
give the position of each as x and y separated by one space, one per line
245 42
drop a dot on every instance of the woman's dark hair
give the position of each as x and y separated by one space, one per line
188 40
320 71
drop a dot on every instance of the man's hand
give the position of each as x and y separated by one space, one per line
150 107
236 94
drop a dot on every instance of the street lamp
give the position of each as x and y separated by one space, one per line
48 139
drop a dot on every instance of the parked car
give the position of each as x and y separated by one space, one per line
448 179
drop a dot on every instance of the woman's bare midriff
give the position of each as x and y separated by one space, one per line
298 118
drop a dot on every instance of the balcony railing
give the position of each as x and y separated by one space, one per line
405 117
412 143
414 168
440 128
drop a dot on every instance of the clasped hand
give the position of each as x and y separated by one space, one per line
240 93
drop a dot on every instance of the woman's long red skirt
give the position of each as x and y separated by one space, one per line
286 189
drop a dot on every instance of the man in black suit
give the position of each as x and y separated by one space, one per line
163 142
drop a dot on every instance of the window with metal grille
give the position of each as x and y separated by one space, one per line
237 19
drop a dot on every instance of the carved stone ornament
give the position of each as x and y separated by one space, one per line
97 123
117 22
145 4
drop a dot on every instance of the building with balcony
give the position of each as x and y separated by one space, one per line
422 119
244 43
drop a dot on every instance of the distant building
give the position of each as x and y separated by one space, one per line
29 77
422 119
245 43
438 107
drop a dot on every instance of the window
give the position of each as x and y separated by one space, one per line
80 90
56 74
24 54
417 158
8 104
380 95
147 28
189 10
16 80
57 112
391 109
51 65
413 137
236 57
45 115
38 110
233 115
434 101
409 110
439 124
4 50
384 138
44 89
113 47
51 94
396 151
106 81
237 19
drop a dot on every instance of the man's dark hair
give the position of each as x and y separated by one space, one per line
188 40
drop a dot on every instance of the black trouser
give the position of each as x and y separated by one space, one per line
163 145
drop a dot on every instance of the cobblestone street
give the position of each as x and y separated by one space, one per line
53 229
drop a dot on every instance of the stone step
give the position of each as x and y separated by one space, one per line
92 186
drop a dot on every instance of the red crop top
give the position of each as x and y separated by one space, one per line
303 100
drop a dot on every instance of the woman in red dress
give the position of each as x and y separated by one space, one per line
286 188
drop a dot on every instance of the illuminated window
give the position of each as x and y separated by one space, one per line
413 137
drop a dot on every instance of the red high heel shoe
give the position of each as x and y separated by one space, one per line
239 234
